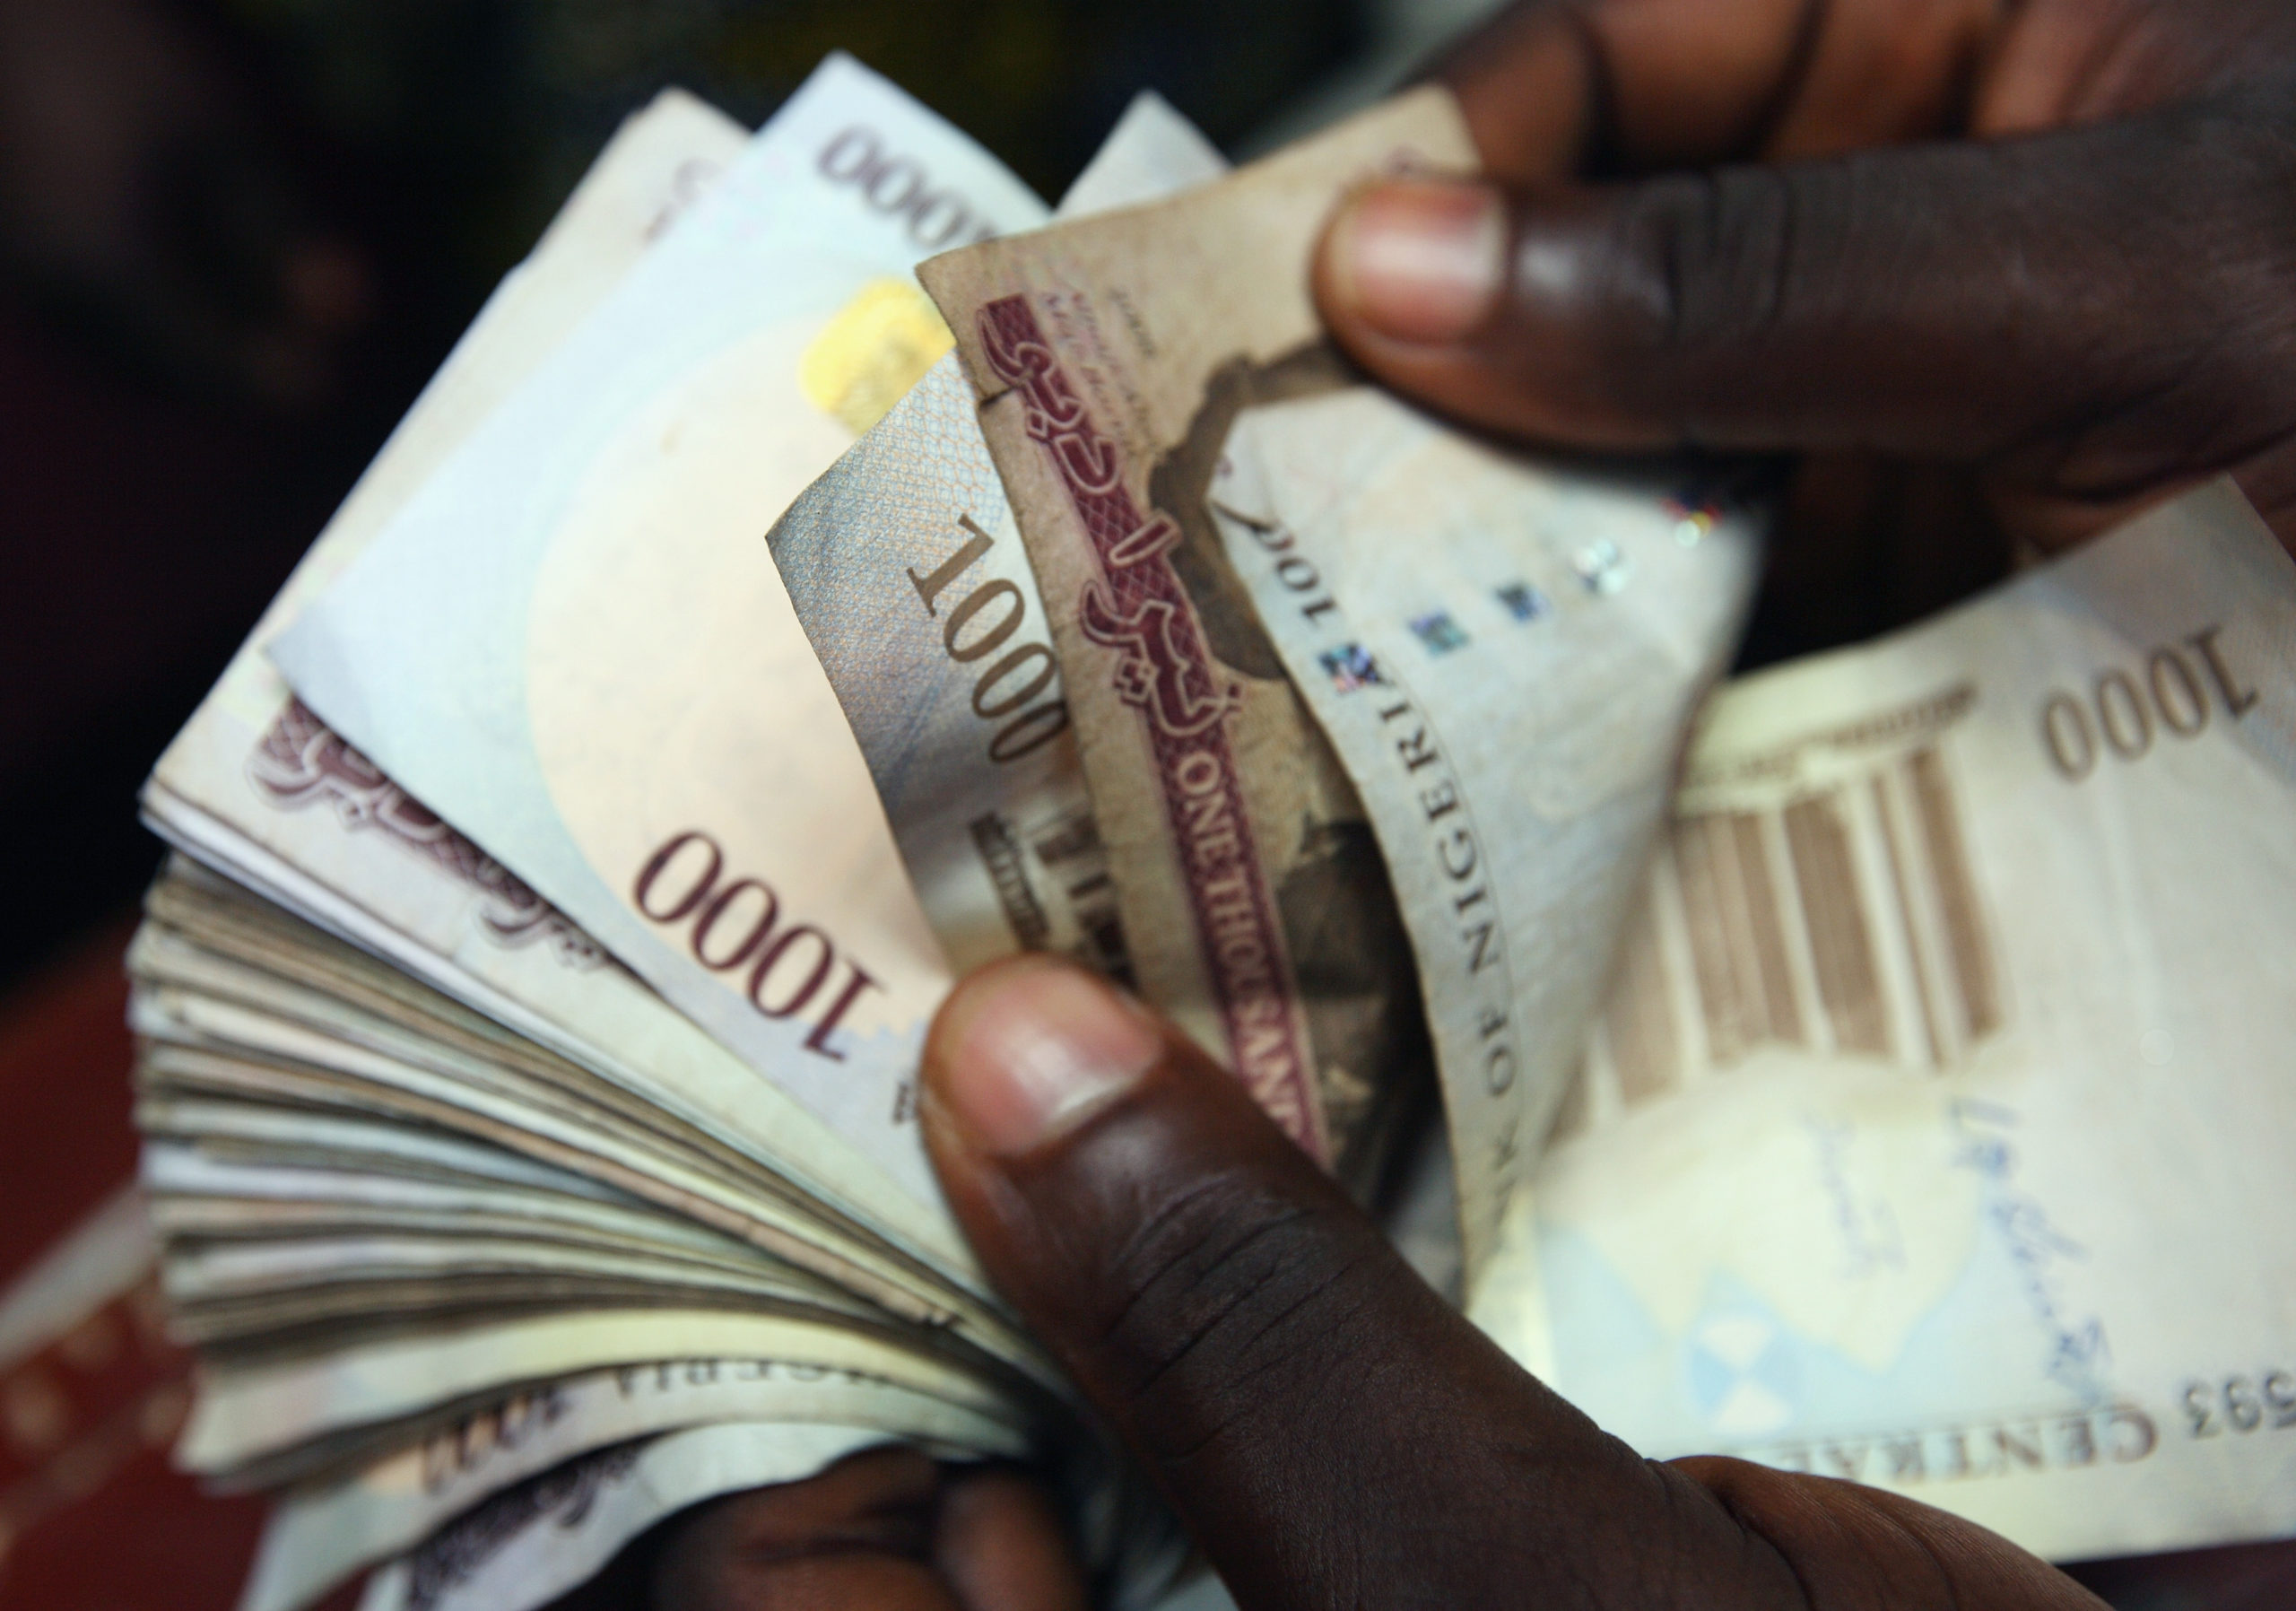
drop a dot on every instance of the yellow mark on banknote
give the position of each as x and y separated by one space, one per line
878 346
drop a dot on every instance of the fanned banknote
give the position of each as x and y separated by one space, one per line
258 787
904 566
607 689
393 1505
446 1207
1294 615
1937 1132
1255 907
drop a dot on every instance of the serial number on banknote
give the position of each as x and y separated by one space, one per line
2240 1404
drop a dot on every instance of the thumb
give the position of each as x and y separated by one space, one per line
1328 1429
2101 309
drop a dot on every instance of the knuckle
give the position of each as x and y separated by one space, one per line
1721 254
1717 271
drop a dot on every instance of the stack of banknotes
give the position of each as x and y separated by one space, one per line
820 570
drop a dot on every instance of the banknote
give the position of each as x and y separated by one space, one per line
256 784
245 1149
205 1188
526 1219
209 1203
213 1026
1254 904
1934 1134
904 567
254 1409
1506 654
527 1546
248 1004
572 642
471 1246
1153 152
351 1266
323 1533
1253 562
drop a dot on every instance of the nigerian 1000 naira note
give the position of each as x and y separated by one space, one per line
1937 1132
1347 686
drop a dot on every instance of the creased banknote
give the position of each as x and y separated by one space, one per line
256 784
1935 1134
526 1547
1317 645
572 644
903 564
248 1411
1506 654
1256 906
321 1533
221 1018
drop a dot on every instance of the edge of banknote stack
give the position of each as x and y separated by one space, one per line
493 1259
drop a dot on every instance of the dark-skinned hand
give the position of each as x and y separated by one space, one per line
1990 274
1994 272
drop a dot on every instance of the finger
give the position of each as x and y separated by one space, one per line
1001 1548
859 1534
1849 1544
2110 301
1552 89
1328 1428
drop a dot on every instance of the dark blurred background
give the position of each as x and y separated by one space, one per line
237 236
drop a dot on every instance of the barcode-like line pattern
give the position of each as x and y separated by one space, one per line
1840 946
1949 866
1746 990
1781 1014
1640 1017
1709 945
1846 921
1893 840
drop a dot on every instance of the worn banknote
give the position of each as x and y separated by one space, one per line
572 645
1255 907
258 785
1348 685
219 1020
904 565
256 1409
1506 655
1936 1133
527 1546
320 1534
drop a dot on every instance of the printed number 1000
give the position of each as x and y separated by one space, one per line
732 926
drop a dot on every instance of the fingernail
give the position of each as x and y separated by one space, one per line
1419 260
1029 1050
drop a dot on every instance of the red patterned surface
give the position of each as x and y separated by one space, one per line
66 1142
90 1515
